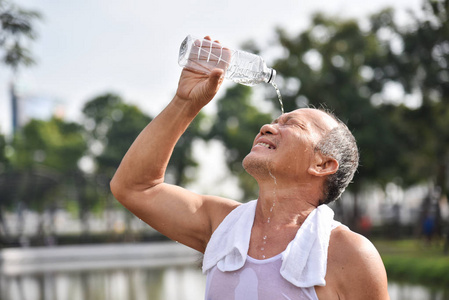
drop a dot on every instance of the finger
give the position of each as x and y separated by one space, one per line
198 56
211 55
225 59
207 55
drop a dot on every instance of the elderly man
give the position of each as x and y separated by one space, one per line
285 244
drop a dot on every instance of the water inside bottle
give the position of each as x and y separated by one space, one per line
278 92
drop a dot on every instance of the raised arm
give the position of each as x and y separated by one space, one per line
139 181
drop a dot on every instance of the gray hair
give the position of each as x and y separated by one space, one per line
340 144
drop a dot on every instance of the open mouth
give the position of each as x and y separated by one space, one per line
266 145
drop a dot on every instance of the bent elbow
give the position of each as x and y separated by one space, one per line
118 189
123 191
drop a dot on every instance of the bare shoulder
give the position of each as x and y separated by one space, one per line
355 266
344 241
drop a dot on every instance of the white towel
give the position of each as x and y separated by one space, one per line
304 260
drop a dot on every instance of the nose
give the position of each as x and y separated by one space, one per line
269 129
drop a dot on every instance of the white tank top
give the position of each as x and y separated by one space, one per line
256 280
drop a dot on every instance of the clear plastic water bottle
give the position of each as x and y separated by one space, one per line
203 56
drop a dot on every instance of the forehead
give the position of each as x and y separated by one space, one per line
312 118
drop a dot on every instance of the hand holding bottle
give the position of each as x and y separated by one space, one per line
200 87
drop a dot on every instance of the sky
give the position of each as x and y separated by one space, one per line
86 48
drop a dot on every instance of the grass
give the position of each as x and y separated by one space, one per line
415 261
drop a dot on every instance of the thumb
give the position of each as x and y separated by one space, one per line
215 80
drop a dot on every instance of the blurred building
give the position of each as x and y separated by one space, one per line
26 106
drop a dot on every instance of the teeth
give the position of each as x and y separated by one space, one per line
264 145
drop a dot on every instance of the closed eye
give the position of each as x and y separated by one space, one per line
295 122
300 125
289 121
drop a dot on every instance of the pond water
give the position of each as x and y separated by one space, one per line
168 283
132 278
406 291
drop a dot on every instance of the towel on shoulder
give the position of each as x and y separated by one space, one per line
304 261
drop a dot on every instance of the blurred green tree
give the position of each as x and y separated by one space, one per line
43 159
110 126
16 27
54 144
418 65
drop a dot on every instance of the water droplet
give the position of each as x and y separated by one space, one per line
262 248
263 256
264 237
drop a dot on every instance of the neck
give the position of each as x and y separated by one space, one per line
281 203
281 209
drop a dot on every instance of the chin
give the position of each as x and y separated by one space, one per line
255 165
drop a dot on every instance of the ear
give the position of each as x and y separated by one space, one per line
323 166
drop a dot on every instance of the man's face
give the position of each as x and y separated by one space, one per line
286 146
